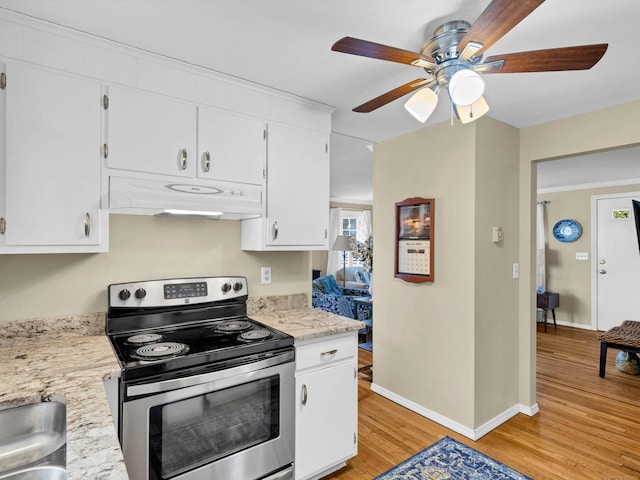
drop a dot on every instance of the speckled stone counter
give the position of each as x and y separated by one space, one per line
66 359
300 321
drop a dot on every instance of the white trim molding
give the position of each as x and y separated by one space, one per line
473 434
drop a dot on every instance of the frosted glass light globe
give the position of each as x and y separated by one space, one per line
465 87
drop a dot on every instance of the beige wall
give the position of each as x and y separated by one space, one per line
448 345
141 248
496 305
569 277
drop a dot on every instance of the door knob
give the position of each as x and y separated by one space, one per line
603 271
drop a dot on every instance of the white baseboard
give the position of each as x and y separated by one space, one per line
473 434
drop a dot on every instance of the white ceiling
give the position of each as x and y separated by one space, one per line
286 44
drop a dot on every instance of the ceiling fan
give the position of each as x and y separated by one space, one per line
453 60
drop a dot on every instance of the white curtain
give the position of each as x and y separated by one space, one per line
364 227
541 236
335 227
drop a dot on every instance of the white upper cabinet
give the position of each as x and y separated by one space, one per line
297 200
149 133
231 147
51 189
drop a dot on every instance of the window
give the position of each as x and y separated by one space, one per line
351 226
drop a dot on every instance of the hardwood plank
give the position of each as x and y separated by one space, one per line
588 427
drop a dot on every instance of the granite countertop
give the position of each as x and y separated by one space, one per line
307 323
67 367
68 358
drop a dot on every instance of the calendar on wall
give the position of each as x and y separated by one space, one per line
414 240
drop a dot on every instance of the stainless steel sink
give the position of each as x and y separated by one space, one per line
36 473
33 441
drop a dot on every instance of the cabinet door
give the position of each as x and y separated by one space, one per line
297 186
231 147
149 133
326 419
52 183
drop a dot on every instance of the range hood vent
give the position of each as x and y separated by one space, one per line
219 200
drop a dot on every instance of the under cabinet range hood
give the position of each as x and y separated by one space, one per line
217 200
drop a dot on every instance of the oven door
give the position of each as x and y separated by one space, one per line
235 423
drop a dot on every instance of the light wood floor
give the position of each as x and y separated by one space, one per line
587 428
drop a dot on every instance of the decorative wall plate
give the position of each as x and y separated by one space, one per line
567 231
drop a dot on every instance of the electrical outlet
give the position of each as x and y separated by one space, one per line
582 256
516 270
265 275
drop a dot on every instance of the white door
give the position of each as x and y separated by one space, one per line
52 158
297 186
326 419
617 258
150 133
231 147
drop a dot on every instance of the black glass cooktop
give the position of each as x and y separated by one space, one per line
162 350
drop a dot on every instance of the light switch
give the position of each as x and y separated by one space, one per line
497 234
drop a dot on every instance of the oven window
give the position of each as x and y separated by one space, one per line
196 431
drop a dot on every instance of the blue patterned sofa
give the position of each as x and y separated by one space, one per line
328 295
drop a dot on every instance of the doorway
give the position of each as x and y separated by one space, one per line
615 261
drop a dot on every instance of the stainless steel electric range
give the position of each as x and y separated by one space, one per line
205 391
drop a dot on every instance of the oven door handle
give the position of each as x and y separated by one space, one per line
183 382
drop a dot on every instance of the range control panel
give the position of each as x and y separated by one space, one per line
164 293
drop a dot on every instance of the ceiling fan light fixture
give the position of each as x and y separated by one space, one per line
465 87
422 104
470 113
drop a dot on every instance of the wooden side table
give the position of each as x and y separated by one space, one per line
549 301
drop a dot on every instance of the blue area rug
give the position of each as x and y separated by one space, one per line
449 459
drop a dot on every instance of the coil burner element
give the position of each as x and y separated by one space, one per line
158 351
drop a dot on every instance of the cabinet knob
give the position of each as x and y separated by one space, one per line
87 225
207 161
275 230
183 159
304 395
602 272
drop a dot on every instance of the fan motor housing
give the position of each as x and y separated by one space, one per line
443 45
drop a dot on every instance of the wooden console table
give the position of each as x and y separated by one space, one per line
549 301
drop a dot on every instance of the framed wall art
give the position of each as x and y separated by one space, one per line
414 240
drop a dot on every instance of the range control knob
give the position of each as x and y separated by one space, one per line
237 286
141 293
124 294
226 287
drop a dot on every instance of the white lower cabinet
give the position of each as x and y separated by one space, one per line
326 404
51 185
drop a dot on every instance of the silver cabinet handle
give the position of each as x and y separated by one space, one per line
183 159
304 395
207 161
602 272
275 230
329 353
87 225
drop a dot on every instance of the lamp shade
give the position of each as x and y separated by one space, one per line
469 113
465 87
342 243
422 104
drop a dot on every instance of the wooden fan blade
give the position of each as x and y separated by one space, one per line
552 60
391 95
498 18
364 48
